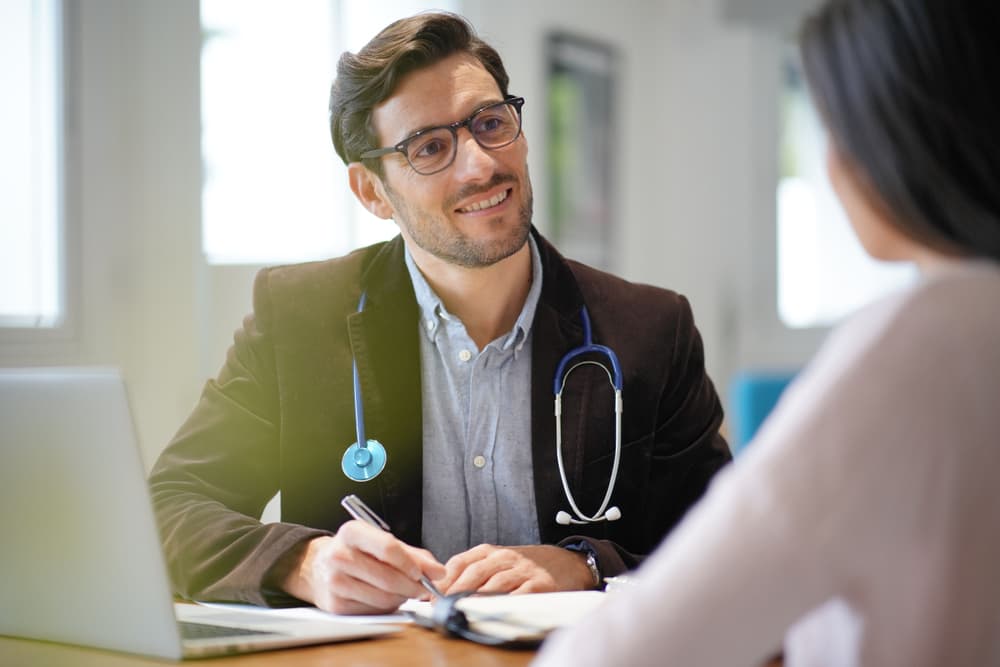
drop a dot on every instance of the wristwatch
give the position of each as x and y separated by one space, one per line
590 558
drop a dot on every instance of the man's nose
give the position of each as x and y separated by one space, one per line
472 161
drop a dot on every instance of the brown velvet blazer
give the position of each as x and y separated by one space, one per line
280 415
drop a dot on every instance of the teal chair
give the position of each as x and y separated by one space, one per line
753 394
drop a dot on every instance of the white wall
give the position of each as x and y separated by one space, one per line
133 205
699 125
696 183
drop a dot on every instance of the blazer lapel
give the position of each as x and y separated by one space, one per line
557 329
386 349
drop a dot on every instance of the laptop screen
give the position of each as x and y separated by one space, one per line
81 561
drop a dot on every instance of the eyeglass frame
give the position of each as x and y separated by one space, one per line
514 101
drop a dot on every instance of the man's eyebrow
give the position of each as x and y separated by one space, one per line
424 128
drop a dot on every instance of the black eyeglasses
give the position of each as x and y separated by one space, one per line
432 150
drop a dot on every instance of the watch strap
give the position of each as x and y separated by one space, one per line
590 558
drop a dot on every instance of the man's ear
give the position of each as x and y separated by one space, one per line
367 187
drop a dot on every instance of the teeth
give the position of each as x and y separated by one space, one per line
492 201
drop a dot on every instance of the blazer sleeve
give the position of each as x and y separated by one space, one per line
211 483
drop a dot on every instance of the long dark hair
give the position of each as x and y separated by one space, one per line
908 90
369 77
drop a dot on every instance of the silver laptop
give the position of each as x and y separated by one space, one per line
80 560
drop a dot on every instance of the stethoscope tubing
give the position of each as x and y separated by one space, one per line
365 459
599 514
559 384
559 381
359 410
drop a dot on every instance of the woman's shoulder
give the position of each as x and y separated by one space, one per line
961 300
958 301
972 280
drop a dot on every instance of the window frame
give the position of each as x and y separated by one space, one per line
25 344
356 226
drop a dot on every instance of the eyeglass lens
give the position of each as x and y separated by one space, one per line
492 127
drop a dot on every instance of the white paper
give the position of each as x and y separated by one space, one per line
311 613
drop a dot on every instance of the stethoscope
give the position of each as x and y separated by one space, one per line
365 459
604 513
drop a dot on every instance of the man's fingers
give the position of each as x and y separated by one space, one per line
384 547
491 569
472 570
363 569
426 561
354 596
351 565
457 565
505 581
339 573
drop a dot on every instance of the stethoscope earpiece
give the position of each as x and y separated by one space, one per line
564 519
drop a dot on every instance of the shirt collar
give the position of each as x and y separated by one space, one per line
433 314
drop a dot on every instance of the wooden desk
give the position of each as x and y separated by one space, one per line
412 646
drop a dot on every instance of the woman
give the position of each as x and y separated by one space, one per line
862 527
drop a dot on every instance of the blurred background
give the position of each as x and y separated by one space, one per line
154 155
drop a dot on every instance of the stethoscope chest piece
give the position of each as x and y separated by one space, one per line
362 464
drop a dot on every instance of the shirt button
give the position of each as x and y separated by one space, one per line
430 325
479 461
464 355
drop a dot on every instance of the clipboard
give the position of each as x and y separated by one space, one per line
503 620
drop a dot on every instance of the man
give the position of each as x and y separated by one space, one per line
456 328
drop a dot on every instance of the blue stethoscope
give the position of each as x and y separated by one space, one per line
365 459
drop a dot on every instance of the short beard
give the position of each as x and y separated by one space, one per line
456 248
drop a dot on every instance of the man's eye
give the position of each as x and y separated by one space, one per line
427 149
489 123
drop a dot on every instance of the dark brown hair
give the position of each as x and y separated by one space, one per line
907 90
369 77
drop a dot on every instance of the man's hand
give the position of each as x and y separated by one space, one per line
528 569
360 570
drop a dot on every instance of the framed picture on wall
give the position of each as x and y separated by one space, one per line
582 150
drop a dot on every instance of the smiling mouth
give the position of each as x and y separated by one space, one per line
486 203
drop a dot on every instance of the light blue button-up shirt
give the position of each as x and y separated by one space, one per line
478 483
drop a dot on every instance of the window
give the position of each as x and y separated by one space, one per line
823 272
274 188
31 256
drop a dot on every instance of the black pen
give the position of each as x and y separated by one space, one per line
360 511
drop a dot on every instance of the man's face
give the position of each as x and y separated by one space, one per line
475 212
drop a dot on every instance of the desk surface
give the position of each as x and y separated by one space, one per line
412 646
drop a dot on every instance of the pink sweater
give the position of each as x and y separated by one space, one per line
861 527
